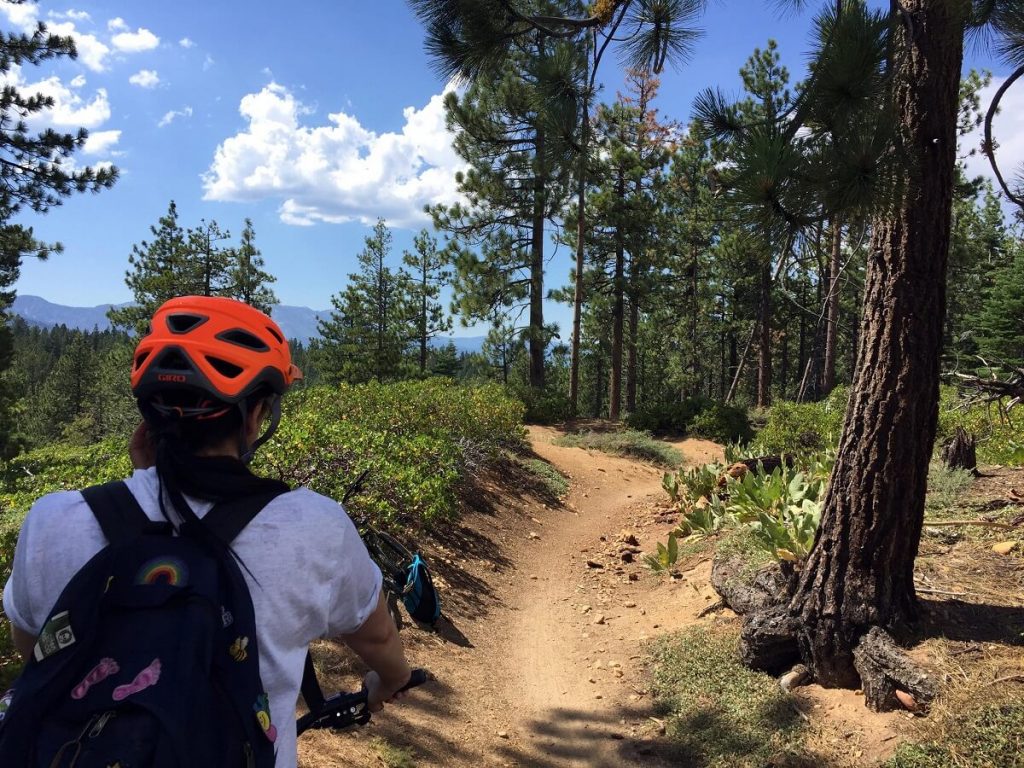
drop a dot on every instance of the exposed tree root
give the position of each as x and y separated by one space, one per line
769 639
885 669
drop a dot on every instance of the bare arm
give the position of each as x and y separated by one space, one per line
23 641
377 643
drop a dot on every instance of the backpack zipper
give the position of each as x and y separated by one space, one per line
250 758
101 723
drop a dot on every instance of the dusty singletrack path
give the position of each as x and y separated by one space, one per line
546 668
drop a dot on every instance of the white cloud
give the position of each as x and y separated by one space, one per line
117 25
208 62
145 78
186 43
70 109
24 16
91 51
100 141
336 172
71 14
1007 131
173 115
78 81
134 42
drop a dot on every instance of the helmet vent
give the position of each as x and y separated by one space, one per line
184 323
174 360
224 368
243 339
141 359
276 335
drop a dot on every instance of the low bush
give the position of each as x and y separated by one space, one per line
802 428
668 417
544 406
1000 435
628 442
554 481
722 423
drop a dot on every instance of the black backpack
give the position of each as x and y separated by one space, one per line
149 658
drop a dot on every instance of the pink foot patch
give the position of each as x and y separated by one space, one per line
145 679
100 672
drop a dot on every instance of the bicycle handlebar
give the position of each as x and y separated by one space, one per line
346 709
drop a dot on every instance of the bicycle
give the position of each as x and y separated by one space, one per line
390 555
343 710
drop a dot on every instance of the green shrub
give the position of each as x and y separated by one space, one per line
556 483
628 442
668 417
803 428
544 406
1000 436
722 423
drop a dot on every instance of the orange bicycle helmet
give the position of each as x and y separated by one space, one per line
213 346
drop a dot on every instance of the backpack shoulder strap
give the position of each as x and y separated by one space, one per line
228 518
117 511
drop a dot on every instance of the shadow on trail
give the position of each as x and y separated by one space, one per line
575 737
972 622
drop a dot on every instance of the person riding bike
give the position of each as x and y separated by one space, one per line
208 377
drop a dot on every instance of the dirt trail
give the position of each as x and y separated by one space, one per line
544 664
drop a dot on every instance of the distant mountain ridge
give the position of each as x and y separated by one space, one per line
298 323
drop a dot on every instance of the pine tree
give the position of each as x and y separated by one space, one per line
999 323
206 268
471 39
246 279
514 128
34 176
427 274
159 270
368 331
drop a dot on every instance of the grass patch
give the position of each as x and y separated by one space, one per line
556 483
740 542
628 442
721 714
392 756
989 737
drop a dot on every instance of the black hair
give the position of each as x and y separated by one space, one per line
180 437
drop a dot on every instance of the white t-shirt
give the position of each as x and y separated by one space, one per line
315 577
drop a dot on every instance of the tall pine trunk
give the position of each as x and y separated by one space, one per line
618 313
631 355
764 357
828 376
581 234
537 269
861 570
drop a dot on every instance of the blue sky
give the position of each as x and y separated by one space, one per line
311 119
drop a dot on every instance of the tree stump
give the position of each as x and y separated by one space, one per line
885 669
960 451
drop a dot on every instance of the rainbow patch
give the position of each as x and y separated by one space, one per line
168 571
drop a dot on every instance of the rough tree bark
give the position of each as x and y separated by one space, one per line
860 573
618 313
